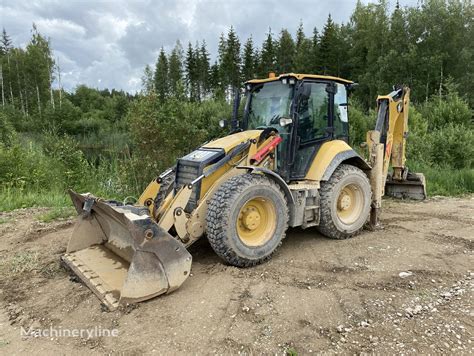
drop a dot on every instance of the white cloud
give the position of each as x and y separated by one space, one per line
107 43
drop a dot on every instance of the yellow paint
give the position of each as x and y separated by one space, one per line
300 77
208 182
256 222
149 193
229 142
396 133
324 157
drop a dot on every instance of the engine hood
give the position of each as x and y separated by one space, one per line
229 142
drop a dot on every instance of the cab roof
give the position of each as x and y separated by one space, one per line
300 77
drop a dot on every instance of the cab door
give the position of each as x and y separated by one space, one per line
313 113
321 115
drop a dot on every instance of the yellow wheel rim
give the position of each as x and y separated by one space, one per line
257 221
350 204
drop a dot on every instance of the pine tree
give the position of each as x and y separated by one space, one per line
368 24
215 81
5 46
175 74
315 66
203 70
218 77
161 76
191 73
230 66
327 47
303 52
148 84
285 53
5 43
7 71
249 61
267 56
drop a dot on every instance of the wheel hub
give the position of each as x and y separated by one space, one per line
344 201
256 221
350 203
251 218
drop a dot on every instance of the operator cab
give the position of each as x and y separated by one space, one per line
306 110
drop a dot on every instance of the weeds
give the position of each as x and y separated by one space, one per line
21 262
446 181
16 198
57 213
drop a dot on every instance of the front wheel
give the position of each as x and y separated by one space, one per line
246 220
345 202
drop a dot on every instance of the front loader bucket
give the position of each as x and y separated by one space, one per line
121 254
413 187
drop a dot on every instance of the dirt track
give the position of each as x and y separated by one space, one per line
315 295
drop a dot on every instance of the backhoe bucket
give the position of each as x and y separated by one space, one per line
121 254
413 187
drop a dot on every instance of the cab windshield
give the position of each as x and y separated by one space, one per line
268 103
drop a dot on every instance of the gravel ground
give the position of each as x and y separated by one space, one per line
405 288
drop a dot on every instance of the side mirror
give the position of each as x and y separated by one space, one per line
285 121
223 123
351 87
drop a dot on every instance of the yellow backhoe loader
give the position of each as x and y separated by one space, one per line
286 163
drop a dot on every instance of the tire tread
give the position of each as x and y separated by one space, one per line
218 217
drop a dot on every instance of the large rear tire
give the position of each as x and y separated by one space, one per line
246 220
345 203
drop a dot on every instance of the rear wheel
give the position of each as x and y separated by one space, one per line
246 220
345 202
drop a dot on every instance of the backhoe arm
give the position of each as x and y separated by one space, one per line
392 124
387 146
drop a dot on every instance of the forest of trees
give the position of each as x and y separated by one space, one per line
112 142
422 47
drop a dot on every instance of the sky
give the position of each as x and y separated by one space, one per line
106 44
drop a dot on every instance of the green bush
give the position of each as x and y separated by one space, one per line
453 145
7 131
72 165
162 132
359 124
418 147
451 109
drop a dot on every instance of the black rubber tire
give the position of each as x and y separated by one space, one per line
166 187
222 216
330 225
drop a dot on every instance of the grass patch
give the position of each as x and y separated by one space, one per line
11 199
57 213
4 221
21 262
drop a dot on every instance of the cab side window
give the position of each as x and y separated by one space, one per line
341 126
313 112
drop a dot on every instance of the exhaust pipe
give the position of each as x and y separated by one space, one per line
121 254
